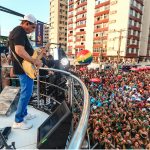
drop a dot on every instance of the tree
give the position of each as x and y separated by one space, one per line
3 39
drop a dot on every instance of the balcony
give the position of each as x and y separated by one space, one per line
102 4
70 34
70 16
82 4
80 46
100 29
80 33
101 21
70 22
133 37
134 18
134 28
69 53
99 46
71 2
78 40
128 55
70 9
99 38
80 26
148 48
132 46
70 40
97 54
80 19
81 12
69 46
71 28
101 13
136 9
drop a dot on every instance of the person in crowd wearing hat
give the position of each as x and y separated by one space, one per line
22 49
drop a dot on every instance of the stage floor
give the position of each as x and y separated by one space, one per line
24 139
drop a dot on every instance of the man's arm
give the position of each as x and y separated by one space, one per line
23 54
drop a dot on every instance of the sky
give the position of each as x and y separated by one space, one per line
38 8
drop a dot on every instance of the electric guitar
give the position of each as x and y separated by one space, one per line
31 69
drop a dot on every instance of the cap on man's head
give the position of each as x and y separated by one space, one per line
30 18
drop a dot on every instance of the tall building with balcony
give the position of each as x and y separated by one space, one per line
97 26
46 33
58 22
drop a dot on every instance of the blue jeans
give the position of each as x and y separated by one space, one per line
26 85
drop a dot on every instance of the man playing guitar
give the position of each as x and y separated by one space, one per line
22 50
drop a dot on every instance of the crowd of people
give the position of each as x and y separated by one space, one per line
120 108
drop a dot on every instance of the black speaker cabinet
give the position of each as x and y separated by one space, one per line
9 98
53 133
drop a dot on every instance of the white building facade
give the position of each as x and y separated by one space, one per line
97 25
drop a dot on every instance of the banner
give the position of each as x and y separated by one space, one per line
39 35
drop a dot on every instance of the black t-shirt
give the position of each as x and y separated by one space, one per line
18 37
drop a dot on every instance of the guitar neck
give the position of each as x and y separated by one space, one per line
41 54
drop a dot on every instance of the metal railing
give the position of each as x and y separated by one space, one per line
79 134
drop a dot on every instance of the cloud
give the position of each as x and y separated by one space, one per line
5 31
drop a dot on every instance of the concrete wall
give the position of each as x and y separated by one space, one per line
90 25
145 29
122 19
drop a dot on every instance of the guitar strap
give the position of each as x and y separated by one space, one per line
18 61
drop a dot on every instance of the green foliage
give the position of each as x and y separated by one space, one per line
3 39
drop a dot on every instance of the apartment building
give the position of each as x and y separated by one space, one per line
58 22
97 26
46 33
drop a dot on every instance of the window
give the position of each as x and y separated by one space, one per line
128 41
137 4
71 6
127 50
131 11
106 16
132 50
130 21
139 25
81 30
138 33
137 51
135 23
133 41
134 32
129 31
137 42
106 7
140 16
136 14
105 25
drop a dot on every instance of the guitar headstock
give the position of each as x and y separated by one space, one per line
48 44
